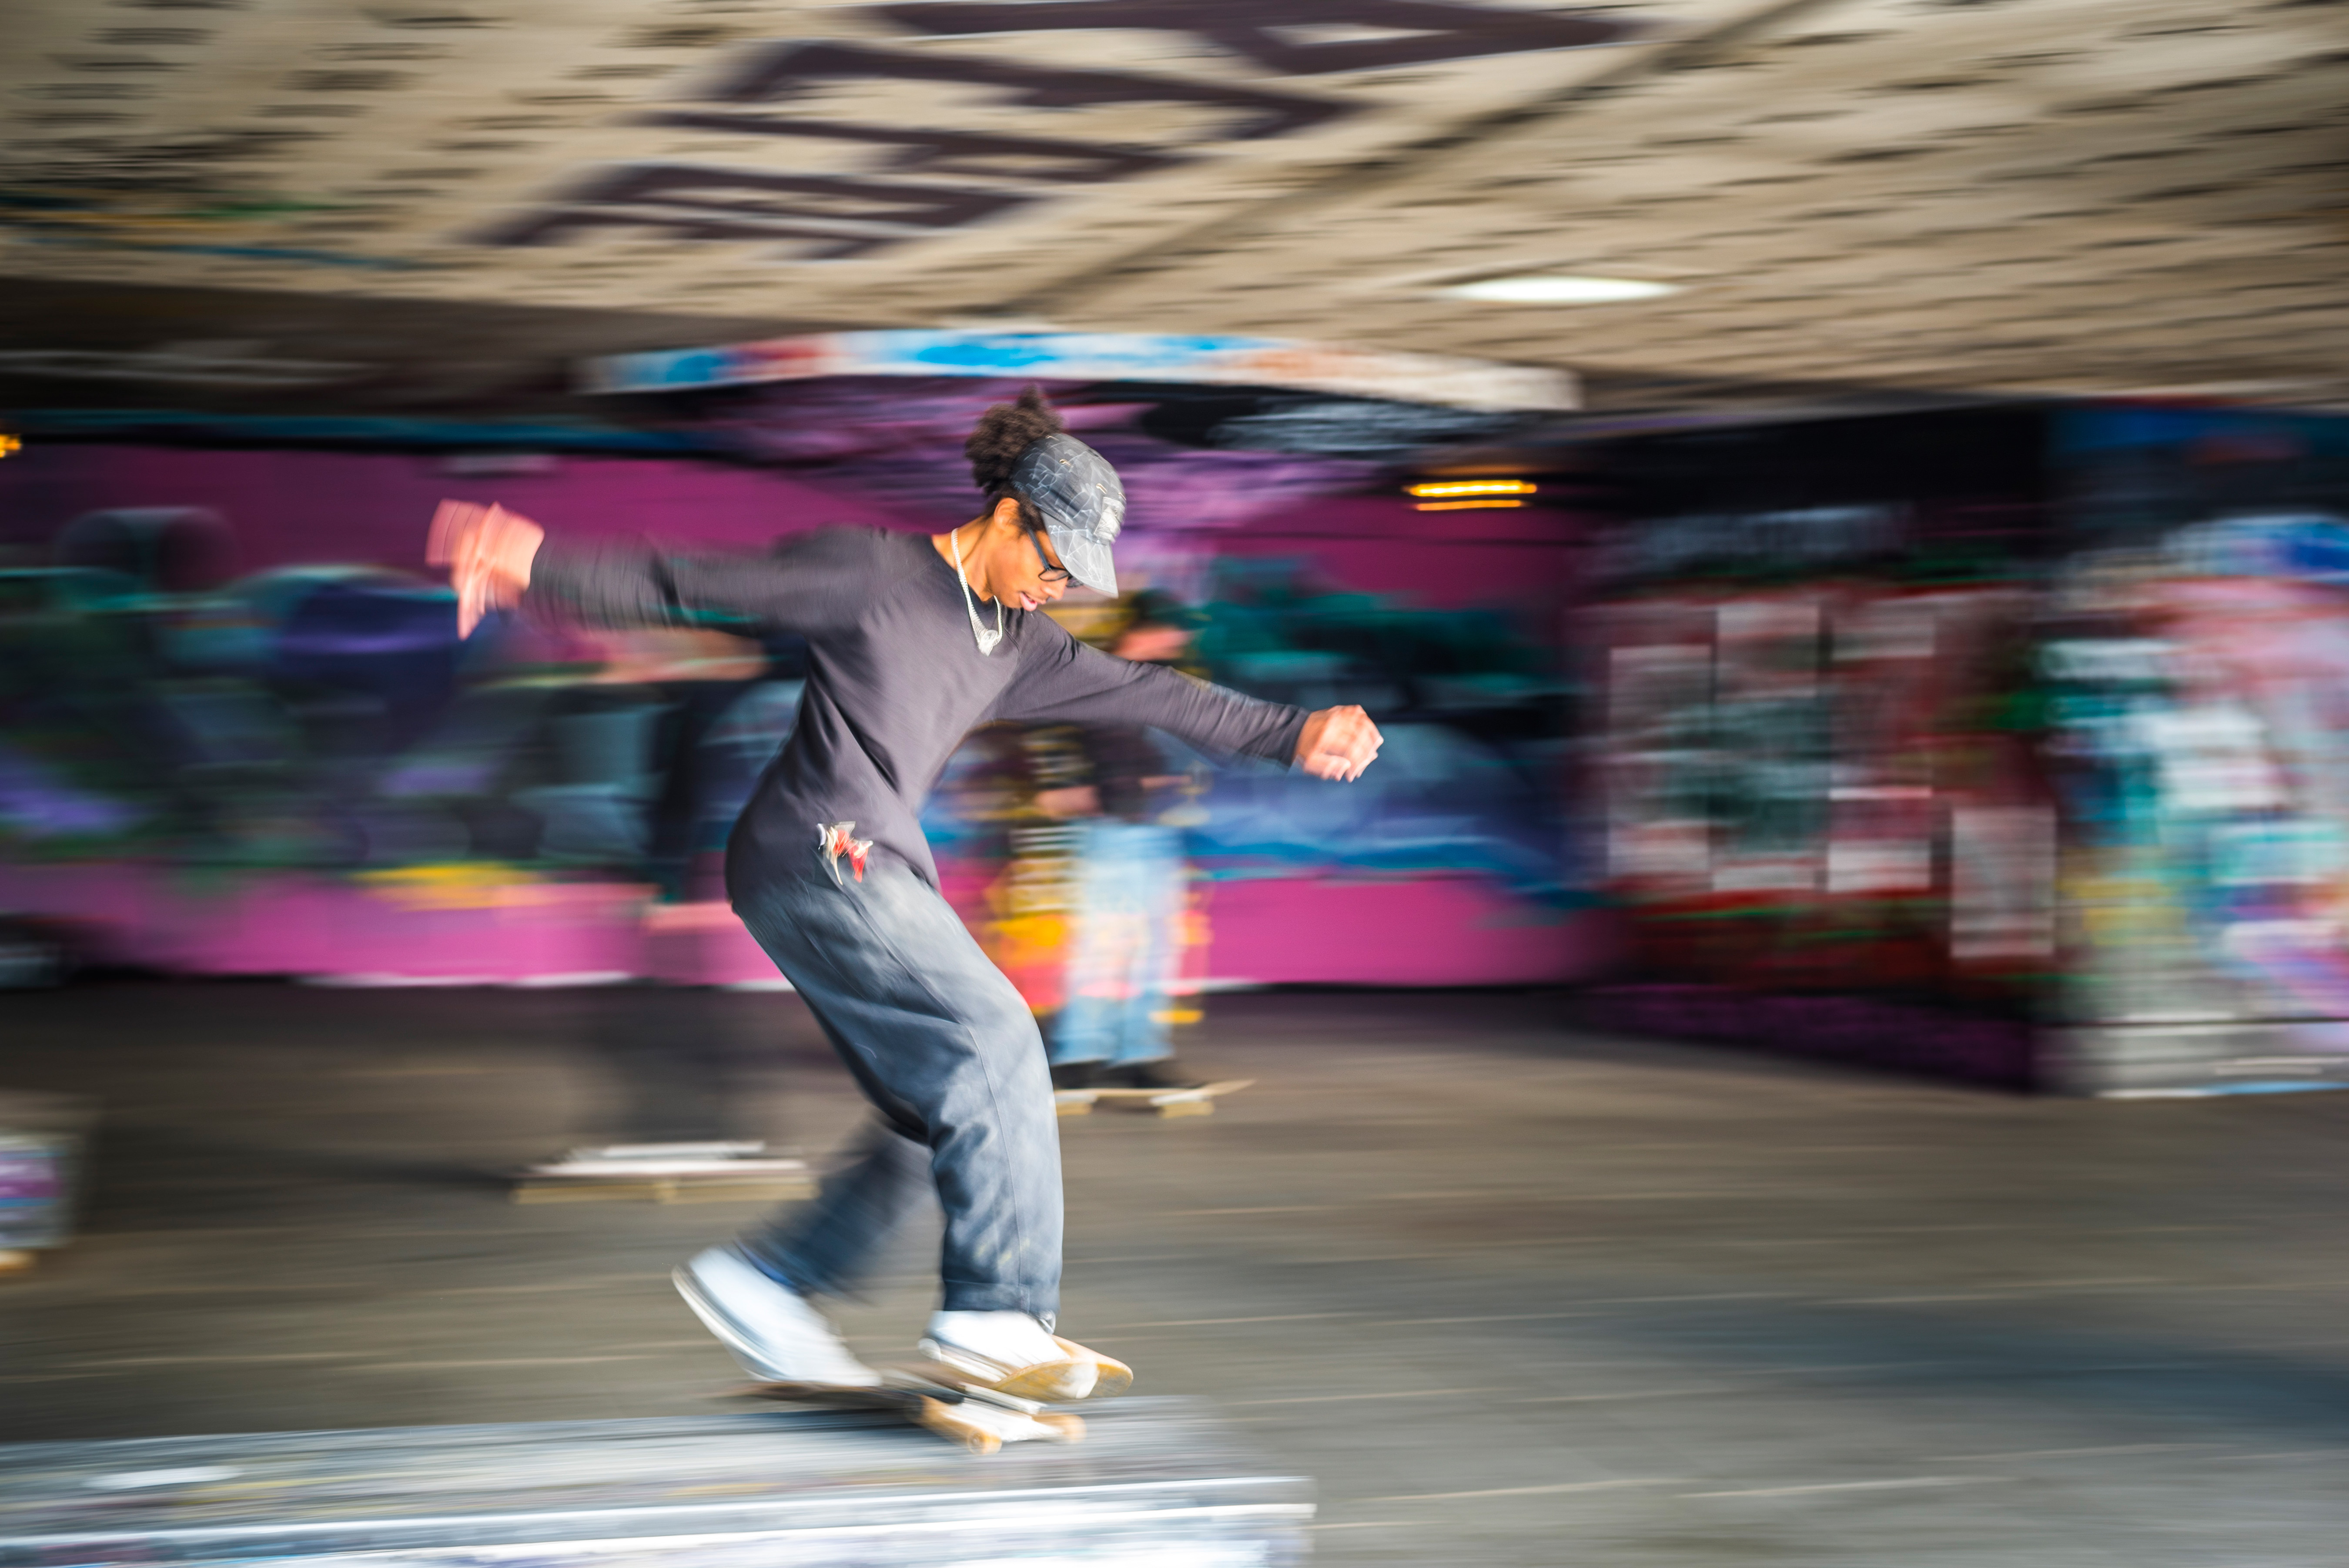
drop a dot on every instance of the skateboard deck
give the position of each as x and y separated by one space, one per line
931 1396
666 1173
1200 1101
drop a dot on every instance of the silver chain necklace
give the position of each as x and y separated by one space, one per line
986 639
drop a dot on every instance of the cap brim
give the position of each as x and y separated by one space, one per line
1086 558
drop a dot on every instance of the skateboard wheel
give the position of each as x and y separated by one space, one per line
948 1421
1065 1429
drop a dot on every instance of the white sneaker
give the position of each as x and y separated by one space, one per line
773 1333
1011 1352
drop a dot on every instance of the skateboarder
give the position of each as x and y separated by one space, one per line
828 868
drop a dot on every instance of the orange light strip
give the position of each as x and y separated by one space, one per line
1431 489
1463 505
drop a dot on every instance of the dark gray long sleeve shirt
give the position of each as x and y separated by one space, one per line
896 678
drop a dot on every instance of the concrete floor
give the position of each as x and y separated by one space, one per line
1512 1294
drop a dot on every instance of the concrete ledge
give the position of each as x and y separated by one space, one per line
1156 1483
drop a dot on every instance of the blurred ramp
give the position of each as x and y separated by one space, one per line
1158 1483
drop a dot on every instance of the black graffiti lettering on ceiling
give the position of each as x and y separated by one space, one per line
695 203
828 217
1415 32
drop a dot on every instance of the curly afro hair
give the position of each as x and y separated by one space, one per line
1004 432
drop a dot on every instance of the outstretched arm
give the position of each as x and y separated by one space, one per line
496 558
1061 679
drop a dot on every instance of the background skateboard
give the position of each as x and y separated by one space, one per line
1200 1101
666 1173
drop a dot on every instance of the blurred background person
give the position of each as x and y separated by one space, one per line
1129 886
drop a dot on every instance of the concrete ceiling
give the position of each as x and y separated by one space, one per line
437 202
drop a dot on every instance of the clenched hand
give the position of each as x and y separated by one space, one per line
1337 743
488 552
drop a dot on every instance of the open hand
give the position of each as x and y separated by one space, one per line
1337 743
488 552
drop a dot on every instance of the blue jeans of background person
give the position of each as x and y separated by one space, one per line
946 1051
1127 943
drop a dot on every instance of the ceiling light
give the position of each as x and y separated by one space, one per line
1557 288
1433 489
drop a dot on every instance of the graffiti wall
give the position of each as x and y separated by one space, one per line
1813 768
2196 655
1448 863
267 760
2020 761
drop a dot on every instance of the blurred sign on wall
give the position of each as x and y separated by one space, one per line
1239 361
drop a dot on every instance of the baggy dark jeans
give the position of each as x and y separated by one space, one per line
949 1055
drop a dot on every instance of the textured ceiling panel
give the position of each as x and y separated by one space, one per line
2039 195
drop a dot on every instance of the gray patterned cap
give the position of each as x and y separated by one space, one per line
1077 494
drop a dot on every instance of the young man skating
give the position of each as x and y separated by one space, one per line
828 868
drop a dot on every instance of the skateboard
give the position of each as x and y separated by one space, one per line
1166 1102
666 1173
934 1397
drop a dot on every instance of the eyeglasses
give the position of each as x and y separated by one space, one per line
1050 574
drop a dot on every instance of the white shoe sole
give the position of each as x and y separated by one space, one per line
747 1351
